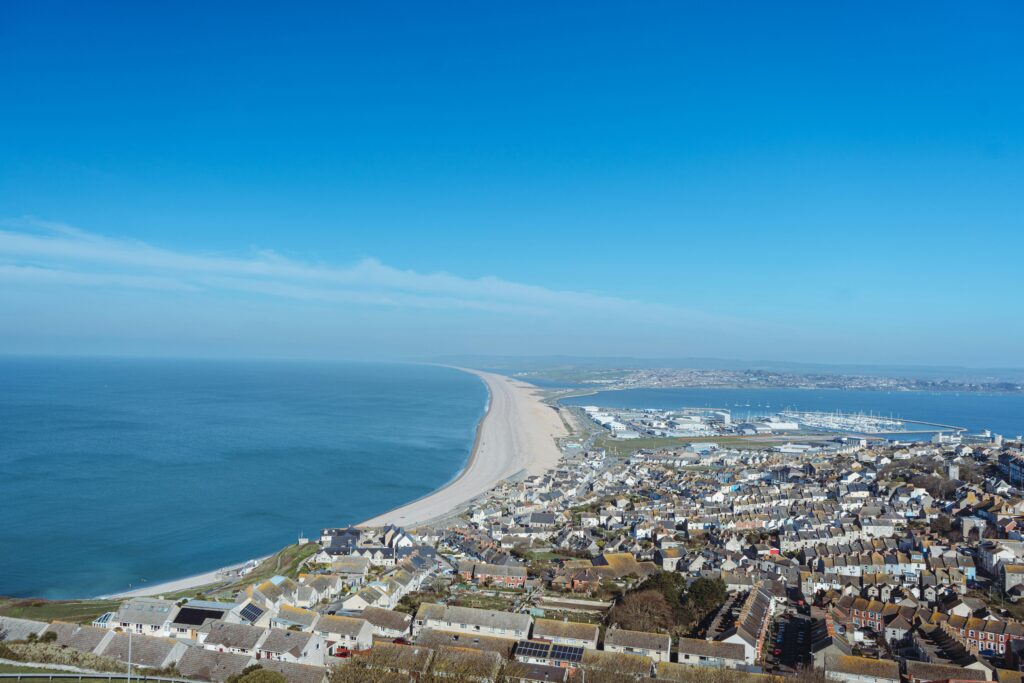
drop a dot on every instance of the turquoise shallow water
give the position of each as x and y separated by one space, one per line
118 472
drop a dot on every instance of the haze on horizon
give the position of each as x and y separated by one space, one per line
838 183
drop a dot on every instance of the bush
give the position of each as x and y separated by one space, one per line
8 653
51 653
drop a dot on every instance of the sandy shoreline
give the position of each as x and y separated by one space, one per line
516 434
178 585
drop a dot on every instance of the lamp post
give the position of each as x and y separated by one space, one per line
129 654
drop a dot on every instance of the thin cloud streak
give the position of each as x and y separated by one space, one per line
50 276
52 253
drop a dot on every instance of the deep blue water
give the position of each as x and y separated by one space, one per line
117 471
1001 413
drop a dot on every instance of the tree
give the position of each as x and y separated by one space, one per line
671 585
705 595
941 525
643 611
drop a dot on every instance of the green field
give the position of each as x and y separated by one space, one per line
626 447
78 611
490 602
546 556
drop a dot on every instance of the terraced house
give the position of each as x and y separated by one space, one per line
508 576
292 646
221 636
984 635
388 623
711 653
473 621
657 646
345 634
566 633
862 612
149 616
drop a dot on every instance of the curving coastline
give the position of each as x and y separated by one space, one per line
516 434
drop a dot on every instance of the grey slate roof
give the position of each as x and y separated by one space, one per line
931 672
147 611
240 636
711 648
638 639
213 666
430 610
486 618
343 626
386 618
296 673
280 641
552 628
19 629
146 651
81 638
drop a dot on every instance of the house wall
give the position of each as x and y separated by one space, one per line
656 655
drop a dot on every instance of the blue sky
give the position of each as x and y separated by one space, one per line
830 182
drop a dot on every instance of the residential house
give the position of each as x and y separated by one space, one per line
388 623
221 636
566 633
711 653
345 634
149 616
209 665
472 620
657 646
853 669
299 647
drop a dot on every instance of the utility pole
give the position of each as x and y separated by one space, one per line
129 654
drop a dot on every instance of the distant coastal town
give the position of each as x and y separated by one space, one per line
648 378
593 543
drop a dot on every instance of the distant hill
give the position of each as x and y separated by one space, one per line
924 372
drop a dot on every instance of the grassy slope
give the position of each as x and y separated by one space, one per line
286 562
78 611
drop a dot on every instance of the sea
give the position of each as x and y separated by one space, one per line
119 473
1002 413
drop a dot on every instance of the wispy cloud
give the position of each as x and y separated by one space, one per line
45 253
54 276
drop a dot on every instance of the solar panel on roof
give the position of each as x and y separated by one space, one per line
567 653
190 616
528 648
251 612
